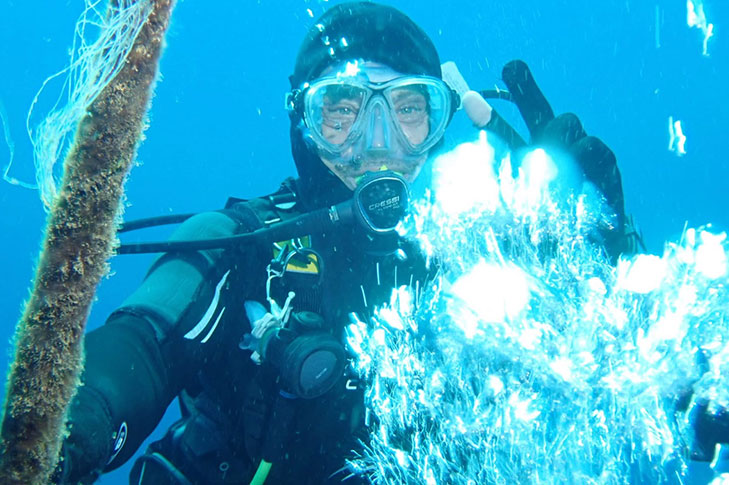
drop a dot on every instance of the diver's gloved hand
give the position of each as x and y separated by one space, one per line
709 429
66 471
83 455
60 475
561 133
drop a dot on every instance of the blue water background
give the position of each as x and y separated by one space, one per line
218 127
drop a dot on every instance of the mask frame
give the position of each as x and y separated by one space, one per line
302 103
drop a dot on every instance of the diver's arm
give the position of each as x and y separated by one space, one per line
563 133
140 359
126 390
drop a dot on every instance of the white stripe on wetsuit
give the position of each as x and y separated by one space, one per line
215 325
205 320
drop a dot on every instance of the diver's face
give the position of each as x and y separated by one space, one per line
341 107
377 148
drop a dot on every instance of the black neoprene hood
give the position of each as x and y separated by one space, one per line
368 31
346 32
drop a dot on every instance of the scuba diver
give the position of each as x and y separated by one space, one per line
241 318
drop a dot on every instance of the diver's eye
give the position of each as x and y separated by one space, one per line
409 113
410 105
341 110
339 116
410 110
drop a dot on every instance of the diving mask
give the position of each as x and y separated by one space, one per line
353 120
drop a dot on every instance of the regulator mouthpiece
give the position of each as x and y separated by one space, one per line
379 203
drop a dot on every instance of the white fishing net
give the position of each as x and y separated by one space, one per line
11 150
104 35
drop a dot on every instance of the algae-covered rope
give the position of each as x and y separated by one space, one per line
78 241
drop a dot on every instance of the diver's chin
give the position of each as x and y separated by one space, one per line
353 180
351 177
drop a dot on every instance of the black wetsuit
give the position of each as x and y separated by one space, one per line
179 335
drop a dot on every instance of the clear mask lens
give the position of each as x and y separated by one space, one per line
410 112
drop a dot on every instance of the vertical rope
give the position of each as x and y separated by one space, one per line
78 241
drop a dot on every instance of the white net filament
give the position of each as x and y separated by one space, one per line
11 150
530 358
92 66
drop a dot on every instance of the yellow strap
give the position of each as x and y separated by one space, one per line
263 468
307 264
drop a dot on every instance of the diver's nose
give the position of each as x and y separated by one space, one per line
378 131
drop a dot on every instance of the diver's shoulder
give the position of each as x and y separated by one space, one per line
242 215
270 208
205 225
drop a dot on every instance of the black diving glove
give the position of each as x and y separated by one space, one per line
709 430
83 455
65 473
562 133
